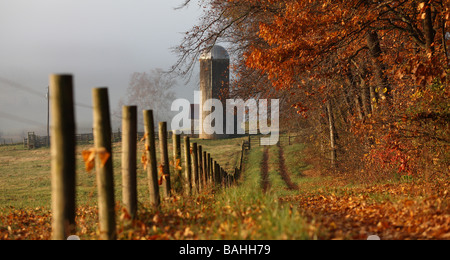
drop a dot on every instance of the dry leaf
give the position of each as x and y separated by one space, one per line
89 157
162 175
178 165
103 155
144 161
144 138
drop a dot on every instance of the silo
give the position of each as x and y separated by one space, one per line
214 84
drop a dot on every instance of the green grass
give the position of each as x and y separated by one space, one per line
295 160
267 218
25 174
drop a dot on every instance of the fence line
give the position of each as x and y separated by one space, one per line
8 142
201 169
35 141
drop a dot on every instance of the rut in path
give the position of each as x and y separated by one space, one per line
283 170
265 183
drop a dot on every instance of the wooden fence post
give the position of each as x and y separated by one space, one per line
63 156
208 169
205 170
200 167
176 139
227 179
152 168
165 163
195 181
129 159
105 176
187 167
223 177
211 170
220 175
216 174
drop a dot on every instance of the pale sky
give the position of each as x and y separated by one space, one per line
100 42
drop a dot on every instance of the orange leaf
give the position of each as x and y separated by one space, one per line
144 161
103 155
178 166
161 173
89 157
144 138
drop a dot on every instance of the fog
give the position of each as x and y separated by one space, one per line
100 42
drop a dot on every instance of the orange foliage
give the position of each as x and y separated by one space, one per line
310 50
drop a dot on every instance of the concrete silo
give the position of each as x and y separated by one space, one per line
214 84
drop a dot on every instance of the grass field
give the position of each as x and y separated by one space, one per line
25 174
279 196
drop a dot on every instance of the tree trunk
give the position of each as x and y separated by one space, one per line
355 97
333 134
428 29
383 87
365 98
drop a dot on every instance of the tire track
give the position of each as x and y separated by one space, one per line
265 183
283 170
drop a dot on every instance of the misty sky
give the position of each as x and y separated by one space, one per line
100 42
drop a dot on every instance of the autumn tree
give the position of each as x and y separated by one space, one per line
366 76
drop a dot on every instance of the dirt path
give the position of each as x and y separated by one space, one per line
265 183
283 170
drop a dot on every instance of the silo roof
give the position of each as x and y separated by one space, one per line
216 53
